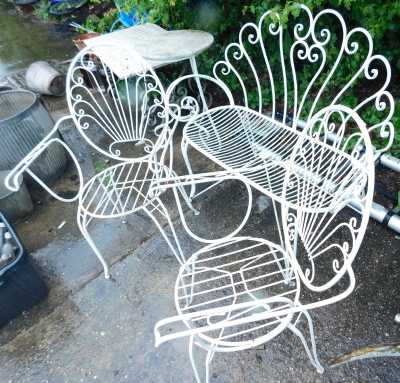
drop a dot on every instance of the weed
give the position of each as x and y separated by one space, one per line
100 166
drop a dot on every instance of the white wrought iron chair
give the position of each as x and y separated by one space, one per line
125 119
275 81
240 292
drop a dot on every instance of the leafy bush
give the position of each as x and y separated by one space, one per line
42 10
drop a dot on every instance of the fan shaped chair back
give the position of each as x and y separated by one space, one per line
118 104
329 189
293 70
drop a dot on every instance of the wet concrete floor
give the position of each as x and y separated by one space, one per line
92 329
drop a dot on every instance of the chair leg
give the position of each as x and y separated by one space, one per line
210 355
184 148
191 356
185 196
312 356
162 209
82 223
191 269
193 65
192 194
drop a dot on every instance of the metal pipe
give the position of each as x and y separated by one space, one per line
382 215
390 162
386 217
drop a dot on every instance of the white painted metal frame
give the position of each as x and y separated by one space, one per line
11 181
234 135
126 120
160 47
239 292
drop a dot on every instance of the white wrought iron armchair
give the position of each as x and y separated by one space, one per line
240 292
127 120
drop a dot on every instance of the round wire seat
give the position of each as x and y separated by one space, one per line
119 190
234 286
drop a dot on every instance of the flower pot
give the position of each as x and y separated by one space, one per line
79 41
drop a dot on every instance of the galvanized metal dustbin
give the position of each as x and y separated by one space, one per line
15 206
24 122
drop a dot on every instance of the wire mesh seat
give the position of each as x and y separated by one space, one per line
230 296
117 190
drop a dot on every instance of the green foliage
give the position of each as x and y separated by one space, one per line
395 148
100 24
291 7
100 166
41 10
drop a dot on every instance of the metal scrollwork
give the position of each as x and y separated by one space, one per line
122 108
311 41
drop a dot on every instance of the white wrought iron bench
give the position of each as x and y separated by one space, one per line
272 94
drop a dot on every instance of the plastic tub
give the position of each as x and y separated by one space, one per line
21 286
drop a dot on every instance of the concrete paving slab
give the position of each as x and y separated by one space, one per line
104 331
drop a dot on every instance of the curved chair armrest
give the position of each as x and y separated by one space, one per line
224 323
178 183
11 181
289 311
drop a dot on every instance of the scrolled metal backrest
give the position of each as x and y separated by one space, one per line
122 116
293 73
329 189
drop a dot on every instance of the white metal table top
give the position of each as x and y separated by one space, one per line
157 45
